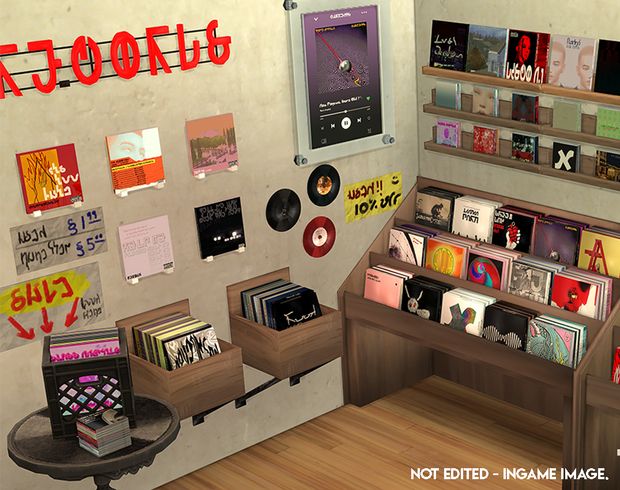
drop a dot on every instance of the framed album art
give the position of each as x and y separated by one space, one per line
342 90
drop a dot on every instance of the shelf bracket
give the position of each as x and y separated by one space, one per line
200 418
294 380
242 400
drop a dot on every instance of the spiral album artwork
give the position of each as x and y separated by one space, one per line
485 271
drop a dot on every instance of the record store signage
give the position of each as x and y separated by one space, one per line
372 196
57 302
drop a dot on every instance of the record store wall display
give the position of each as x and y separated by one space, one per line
220 228
372 196
342 86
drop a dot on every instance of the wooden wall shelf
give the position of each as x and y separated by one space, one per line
546 89
192 389
288 352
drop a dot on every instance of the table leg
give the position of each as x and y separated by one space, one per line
102 482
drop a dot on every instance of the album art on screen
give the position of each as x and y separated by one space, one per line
220 227
212 144
565 157
527 56
557 241
608 165
449 45
486 50
49 178
571 61
342 73
135 159
525 147
607 67
449 133
525 108
485 101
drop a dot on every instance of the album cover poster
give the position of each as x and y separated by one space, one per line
557 241
608 123
449 133
607 67
135 159
486 140
575 296
525 147
422 300
530 282
449 45
525 108
565 157
434 210
485 100
607 165
486 50
527 56
513 230
220 227
599 253
485 270
212 143
49 178
407 246
571 61
505 327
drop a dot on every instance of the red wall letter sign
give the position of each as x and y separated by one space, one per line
185 64
214 41
5 76
79 53
131 61
52 62
155 53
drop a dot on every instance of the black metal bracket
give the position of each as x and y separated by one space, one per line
295 379
200 418
242 400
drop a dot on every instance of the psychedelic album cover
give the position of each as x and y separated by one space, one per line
513 230
505 327
220 227
607 67
449 45
406 246
527 56
525 147
530 282
486 50
449 133
553 342
565 157
525 108
445 258
608 165
575 296
484 270
485 100
486 140
567 115
600 253
50 178
608 123
557 241
434 210
135 159
571 61
212 143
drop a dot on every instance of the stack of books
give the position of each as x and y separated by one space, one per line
103 432
100 342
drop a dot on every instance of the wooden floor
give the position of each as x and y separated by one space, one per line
435 424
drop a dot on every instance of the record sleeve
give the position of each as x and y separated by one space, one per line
220 227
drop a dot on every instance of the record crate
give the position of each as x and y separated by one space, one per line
193 388
287 352
76 388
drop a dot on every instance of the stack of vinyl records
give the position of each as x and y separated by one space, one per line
175 341
505 323
473 217
435 207
532 278
408 243
582 292
464 310
423 296
280 304
385 285
100 342
103 432
557 340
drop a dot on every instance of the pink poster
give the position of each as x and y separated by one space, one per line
212 144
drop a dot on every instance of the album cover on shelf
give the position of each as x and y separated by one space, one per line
615 370
573 294
212 144
557 340
407 245
486 50
463 310
485 270
449 45
485 100
525 147
557 241
607 67
514 229
247 308
608 123
449 133
527 56
448 95
220 227
187 347
565 157
384 287
525 108
571 61
301 306
473 218
434 208
422 296
446 257
566 115
486 140
599 251
608 165
530 282
507 324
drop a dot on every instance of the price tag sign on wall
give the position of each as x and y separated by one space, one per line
59 240
58 302
372 196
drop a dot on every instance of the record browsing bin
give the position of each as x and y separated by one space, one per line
77 387
284 353
193 388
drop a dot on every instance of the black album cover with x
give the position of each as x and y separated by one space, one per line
565 157
220 227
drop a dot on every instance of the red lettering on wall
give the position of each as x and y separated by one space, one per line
52 64
5 76
130 61
184 62
215 41
155 53
79 53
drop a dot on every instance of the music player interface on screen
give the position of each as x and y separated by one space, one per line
342 72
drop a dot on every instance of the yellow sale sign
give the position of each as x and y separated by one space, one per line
372 196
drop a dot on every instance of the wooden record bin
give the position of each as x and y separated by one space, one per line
288 352
194 388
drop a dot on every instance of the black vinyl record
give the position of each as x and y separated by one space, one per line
323 185
283 210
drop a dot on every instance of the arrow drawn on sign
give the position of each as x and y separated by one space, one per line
21 331
47 325
71 317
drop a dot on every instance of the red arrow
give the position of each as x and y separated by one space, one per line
21 331
71 318
47 325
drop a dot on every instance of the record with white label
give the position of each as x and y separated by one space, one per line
319 236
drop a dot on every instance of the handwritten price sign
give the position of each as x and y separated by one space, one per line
373 196
57 302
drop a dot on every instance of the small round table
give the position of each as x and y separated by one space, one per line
31 446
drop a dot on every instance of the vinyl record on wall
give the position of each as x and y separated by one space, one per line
283 210
323 185
319 236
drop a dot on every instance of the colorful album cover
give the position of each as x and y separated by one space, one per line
555 342
525 147
449 133
449 45
608 165
212 143
571 61
576 296
527 56
407 246
566 115
191 347
486 140
557 241
135 159
220 227
485 100
484 270
446 258
513 230
525 108
505 327
565 157
599 253
608 123
530 282
615 370
50 178
486 50
434 210
607 67
448 94
464 312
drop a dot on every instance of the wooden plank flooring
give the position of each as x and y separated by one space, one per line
434 424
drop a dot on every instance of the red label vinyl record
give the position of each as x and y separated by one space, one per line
319 236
